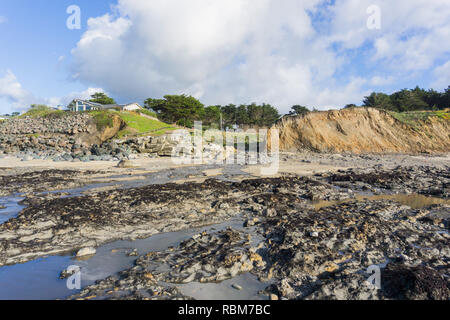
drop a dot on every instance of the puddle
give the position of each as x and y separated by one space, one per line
161 177
415 201
224 290
39 279
11 208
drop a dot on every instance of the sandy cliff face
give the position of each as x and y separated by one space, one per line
96 136
362 130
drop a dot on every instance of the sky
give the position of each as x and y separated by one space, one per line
319 53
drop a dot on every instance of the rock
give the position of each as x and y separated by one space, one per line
270 212
251 222
273 297
125 164
236 286
400 281
86 252
133 253
66 274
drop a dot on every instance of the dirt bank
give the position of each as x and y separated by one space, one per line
360 130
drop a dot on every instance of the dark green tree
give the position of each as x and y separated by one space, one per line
229 115
180 109
102 98
269 115
379 100
242 115
446 98
212 116
299 110
408 100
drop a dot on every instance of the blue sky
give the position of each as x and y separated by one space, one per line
316 53
35 37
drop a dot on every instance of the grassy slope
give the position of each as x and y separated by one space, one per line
42 112
136 124
140 125
411 118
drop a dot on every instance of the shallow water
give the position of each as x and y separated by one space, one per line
39 279
224 290
415 201
12 208
160 177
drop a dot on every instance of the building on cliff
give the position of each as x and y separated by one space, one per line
78 105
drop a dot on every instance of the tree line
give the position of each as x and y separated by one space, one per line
184 110
409 100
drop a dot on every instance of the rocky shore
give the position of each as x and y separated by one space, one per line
60 148
306 237
75 137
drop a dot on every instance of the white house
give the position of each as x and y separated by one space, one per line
131 107
78 105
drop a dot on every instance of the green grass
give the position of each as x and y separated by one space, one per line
413 118
103 118
147 112
44 112
163 131
139 125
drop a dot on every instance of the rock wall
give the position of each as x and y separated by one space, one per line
68 124
66 137
63 147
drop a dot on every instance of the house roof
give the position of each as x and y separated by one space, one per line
111 106
105 106
87 102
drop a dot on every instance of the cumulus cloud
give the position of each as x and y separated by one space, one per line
242 51
219 51
442 76
85 95
413 32
16 98
12 91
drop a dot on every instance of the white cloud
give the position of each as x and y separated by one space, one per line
442 76
65 100
263 51
12 91
85 95
3 19
378 81
14 97
219 51
413 32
